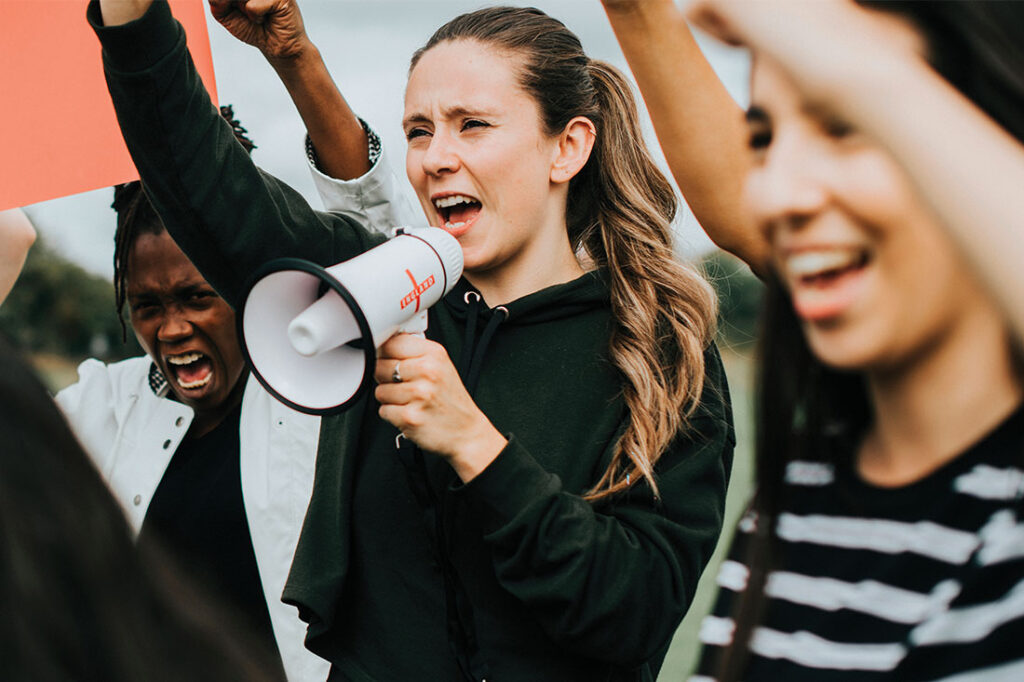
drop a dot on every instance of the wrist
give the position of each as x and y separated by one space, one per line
641 11
117 13
475 453
303 56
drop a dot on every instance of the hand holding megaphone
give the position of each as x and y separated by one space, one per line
431 406
310 334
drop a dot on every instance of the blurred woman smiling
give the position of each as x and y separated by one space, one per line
884 541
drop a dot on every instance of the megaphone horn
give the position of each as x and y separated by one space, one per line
310 333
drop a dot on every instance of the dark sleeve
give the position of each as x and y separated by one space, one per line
611 582
225 214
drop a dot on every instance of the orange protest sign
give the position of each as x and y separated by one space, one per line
58 133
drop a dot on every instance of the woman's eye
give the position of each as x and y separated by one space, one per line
475 123
836 128
413 133
143 308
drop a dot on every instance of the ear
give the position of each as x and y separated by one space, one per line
574 146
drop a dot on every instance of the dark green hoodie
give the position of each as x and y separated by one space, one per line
402 572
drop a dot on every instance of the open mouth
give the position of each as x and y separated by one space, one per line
457 212
824 268
824 283
190 370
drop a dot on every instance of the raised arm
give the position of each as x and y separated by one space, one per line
228 216
16 237
699 125
275 27
966 166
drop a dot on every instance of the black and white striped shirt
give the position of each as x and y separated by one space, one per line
921 582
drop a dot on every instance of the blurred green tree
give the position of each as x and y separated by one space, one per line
740 294
57 307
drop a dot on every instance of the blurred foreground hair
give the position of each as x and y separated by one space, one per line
78 601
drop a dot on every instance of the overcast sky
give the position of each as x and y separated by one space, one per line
367 45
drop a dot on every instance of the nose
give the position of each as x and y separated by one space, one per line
440 156
790 184
174 327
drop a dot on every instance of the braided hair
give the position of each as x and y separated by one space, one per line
136 216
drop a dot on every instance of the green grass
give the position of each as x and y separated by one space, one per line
56 372
682 656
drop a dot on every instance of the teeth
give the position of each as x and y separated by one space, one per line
454 226
185 359
811 263
446 202
196 384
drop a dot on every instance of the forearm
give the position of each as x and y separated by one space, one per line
16 237
333 127
607 582
699 125
967 167
226 215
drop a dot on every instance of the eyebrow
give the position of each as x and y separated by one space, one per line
175 292
447 112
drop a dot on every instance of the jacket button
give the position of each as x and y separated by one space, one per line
137 500
179 421
167 444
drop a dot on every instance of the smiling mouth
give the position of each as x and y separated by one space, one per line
824 283
457 211
190 370
822 268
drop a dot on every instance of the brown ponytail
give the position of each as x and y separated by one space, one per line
619 210
664 310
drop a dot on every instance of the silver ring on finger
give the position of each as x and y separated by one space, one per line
396 376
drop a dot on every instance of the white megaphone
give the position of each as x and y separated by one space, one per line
311 334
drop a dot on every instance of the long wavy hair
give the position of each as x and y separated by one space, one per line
619 211
805 409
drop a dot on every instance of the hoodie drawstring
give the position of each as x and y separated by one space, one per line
472 356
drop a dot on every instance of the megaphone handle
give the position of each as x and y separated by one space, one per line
416 324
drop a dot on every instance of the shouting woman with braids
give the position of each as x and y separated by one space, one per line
567 431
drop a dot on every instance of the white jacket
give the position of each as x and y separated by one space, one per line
373 199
